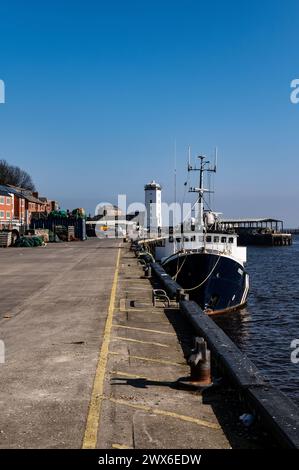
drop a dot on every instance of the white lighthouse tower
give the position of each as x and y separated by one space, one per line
153 207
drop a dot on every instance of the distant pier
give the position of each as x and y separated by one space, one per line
261 231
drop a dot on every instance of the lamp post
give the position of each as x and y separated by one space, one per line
22 211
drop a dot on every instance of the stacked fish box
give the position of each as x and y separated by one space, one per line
71 233
5 239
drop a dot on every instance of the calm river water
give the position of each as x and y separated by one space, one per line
265 329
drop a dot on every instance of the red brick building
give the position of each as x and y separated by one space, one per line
51 205
6 208
18 206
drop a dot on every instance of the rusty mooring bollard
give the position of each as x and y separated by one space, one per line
200 366
200 363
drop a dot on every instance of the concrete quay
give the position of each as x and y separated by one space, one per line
90 363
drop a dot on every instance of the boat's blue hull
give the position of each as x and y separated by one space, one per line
218 283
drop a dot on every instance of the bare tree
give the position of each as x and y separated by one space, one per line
10 174
4 172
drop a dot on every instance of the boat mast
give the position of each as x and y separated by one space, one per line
199 206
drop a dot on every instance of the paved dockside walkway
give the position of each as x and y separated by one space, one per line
53 308
89 362
141 406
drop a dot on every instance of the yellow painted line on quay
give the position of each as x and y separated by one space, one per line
94 411
144 329
139 310
154 310
127 374
148 359
134 376
170 414
140 341
120 446
138 288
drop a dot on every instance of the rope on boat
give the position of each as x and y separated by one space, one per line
179 269
208 276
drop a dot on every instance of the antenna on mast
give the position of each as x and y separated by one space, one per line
216 158
189 159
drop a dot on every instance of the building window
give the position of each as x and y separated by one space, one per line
193 238
216 239
8 200
1 214
223 239
208 239
1 199
8 216
231 240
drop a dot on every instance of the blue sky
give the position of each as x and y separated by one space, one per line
97 92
